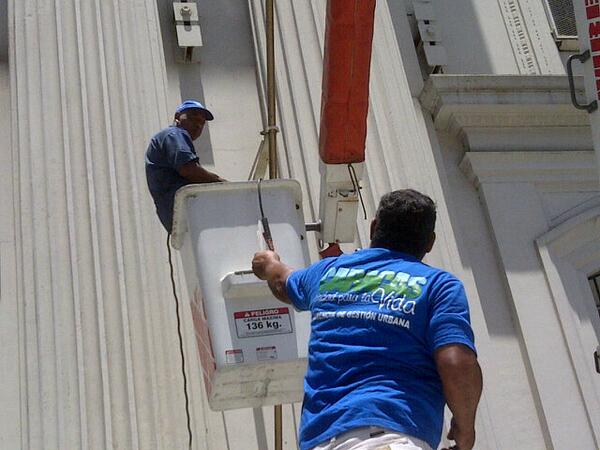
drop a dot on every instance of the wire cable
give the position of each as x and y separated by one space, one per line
277 411
265 222
185 389
354 179
260 204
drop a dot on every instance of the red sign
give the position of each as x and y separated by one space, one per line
592 12
260 313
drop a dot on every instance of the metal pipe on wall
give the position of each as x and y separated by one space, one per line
272 137
271 91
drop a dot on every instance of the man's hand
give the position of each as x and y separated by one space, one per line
261 262
465 439
267 266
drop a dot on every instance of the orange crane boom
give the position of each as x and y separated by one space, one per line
344 108
345 91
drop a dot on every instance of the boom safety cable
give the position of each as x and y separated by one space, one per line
357 187
268 237
185 388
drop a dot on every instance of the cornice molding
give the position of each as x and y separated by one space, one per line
507 107
570 238
577 167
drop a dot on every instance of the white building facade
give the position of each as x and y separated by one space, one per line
481 121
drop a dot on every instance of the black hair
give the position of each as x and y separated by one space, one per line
405 222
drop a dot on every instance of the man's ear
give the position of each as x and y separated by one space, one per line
431 242
373 226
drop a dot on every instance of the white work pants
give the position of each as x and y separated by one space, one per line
373 438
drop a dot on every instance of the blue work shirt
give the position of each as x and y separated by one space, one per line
169 149
377 318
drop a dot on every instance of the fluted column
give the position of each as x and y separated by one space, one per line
99 367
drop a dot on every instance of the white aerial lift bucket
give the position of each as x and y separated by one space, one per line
252 347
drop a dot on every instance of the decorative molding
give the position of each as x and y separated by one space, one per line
544 46
563 205
570 252
545 168
517 218
442 93
511 116
519 37
508 112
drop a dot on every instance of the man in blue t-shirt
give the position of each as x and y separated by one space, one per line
391 341
171 159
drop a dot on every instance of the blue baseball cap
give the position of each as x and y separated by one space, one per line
194 104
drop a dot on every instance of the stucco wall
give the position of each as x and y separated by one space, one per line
91 359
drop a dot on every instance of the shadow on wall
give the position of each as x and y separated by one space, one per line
3 31
224 79
189 74
227 64
463 37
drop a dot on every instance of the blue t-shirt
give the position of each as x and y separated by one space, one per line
169 149
377 317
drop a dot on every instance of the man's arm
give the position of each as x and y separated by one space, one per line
462 383
267 266
194 172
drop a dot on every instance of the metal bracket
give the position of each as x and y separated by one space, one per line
187 24
581 57
425 14
313 226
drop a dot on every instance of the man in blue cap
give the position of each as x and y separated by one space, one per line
171 159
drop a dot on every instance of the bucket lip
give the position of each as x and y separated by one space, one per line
190 191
